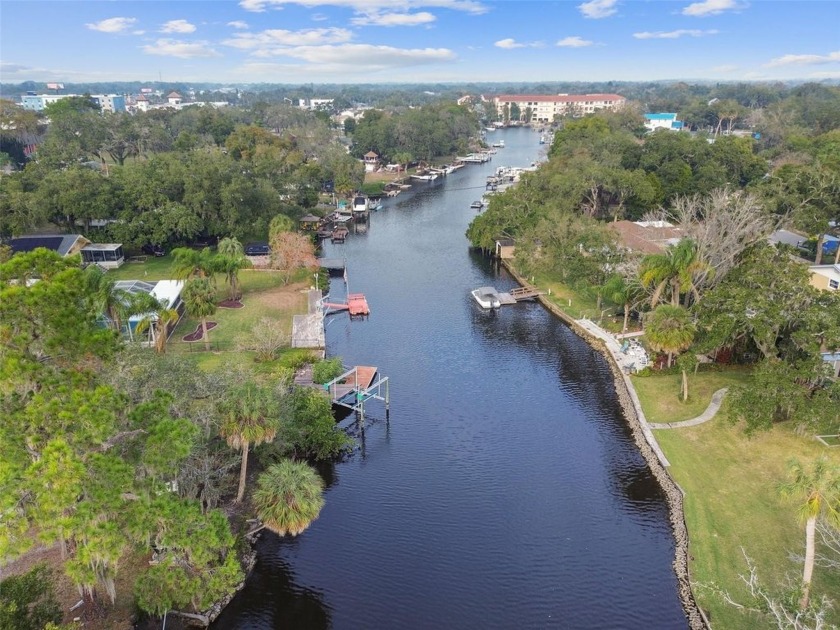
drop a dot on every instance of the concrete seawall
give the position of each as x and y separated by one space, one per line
652 454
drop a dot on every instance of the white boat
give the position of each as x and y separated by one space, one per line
361 204
425 178
486 297
477 205
500 144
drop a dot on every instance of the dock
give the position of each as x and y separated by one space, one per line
519 294
356 305
333 264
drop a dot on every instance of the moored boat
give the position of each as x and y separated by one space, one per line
486 297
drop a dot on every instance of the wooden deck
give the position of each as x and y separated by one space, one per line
357 304
347 387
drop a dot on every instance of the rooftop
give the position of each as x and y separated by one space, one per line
646 237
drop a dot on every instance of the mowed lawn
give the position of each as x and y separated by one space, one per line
732 500
263 294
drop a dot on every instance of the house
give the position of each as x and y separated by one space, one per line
371 161
63 244
825 277
142 103
646 237
167 292
106 255
545 107
173 98
505 248
662 121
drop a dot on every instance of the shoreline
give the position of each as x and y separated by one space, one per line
650 451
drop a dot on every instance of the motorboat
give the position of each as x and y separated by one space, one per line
426 178
477 205
486 297
499 145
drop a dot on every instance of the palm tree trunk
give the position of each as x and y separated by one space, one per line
820 240
204 334
243 472
810 528
626 316
670 358
685 385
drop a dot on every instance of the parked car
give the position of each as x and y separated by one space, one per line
153 250
257 249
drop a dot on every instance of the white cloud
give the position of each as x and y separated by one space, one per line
803 60
112 25
138 32
712 7
394 19
510 43
367 7
683 32
177 26
320 17
180 49
340 62
238 24
574 42
265 42
597 9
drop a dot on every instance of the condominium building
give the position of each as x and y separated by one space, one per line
544 107
106 102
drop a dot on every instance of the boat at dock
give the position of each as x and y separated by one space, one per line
361 207
477 205
486 297
428 177
499 145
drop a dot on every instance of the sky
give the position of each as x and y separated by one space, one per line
379 41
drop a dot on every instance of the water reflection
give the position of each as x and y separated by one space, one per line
285 603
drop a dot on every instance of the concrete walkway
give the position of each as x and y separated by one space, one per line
711 410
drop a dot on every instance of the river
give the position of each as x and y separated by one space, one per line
505 490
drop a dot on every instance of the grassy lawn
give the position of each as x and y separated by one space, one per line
659 394
579 305
732 500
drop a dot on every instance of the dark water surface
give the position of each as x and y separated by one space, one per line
505 491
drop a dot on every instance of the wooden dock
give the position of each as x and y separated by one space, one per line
519 294
356 305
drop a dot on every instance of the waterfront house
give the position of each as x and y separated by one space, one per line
646 237
545 107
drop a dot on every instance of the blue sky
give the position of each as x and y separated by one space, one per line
371 41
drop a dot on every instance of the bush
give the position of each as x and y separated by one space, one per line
326 370
27 601
295 358
373 189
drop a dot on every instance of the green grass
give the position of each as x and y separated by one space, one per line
731 500
659 394
578 304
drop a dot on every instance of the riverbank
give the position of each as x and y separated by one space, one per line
651 452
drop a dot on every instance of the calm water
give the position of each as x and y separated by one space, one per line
505 491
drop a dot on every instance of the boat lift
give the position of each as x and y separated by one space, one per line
356 386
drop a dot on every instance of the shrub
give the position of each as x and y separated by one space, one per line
326 370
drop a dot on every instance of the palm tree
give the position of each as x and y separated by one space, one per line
674 270
191 263
669 329
105 299
199 298
818 491
622 291
289 496
250 416
157 319
229 260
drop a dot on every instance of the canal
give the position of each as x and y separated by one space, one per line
505 491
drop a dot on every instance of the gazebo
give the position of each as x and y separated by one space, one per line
309 222
371 160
